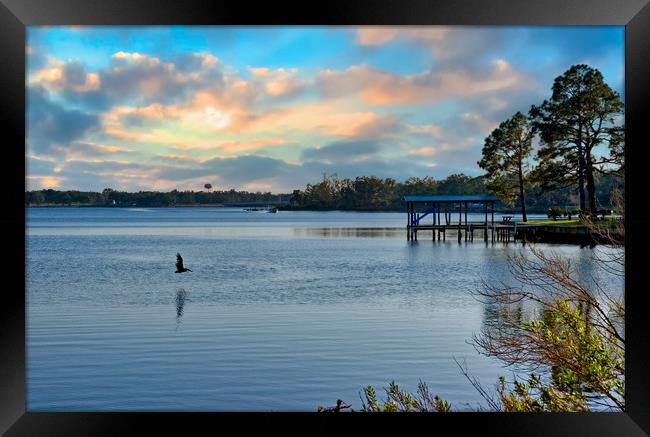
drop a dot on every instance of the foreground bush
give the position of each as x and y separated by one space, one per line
572 345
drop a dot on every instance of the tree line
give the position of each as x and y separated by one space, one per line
370 193
364 193
110 197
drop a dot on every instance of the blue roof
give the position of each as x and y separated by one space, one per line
419 198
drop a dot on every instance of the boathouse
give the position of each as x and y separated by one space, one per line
438 214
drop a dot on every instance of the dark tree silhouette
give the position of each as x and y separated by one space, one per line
504 159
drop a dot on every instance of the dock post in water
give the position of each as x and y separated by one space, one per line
492 224
433 204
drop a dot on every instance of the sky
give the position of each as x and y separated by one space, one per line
273 108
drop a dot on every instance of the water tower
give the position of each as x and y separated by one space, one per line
208 187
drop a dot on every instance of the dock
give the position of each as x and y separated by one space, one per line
441 212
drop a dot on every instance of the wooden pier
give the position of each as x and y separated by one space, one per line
444 210
439 214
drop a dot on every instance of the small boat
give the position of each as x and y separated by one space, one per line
271 209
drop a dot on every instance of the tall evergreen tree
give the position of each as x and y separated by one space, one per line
505 153
580 116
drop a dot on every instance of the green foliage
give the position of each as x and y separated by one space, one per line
592 360
371 193
587 363
145 198
505 153
398 400
533 396
554 213
569 213
581 115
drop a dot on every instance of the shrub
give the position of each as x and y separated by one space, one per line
554 213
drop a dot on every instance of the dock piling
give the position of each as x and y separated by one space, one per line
437 204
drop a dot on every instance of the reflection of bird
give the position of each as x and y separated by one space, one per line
181 294
179 264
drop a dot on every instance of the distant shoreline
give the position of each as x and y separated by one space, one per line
55 205
281 208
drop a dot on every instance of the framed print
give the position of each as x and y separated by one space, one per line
233 211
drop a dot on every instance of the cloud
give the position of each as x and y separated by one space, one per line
50 124
97 174
453 46
375 35
349 151
131 76
175 158
478 122
232 146
191 86
277 82
158 123
43 182
72 76
233 171
36 165
397 168
380 35
427 130
86 149
380 87
142 77
194 62
423 151
369 125
35 57
257 122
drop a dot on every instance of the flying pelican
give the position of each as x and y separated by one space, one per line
179 264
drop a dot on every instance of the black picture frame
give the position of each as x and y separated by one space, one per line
15 15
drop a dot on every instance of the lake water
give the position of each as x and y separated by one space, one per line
282 312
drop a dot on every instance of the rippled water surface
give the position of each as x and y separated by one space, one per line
282 311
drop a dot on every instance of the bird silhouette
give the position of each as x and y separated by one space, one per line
179 264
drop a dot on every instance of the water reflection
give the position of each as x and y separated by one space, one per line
351 232
181 295
496 316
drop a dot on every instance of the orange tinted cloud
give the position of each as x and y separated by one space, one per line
261 72
178 157
383 88
367 124
58 76
276 82
378 35
43 182
232 146
423 151
375 35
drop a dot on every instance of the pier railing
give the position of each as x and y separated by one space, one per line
446 207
